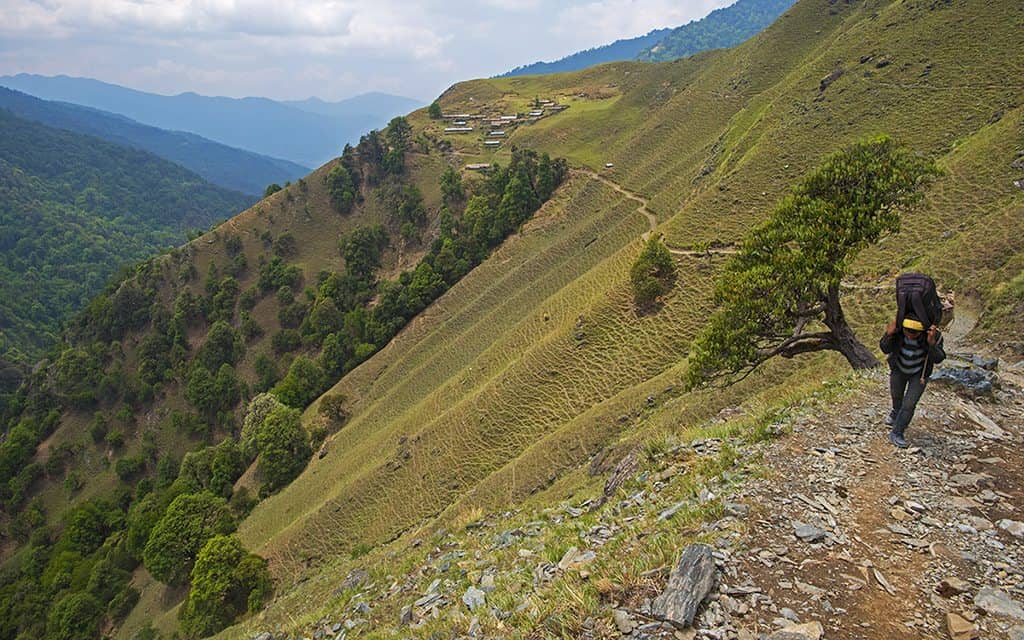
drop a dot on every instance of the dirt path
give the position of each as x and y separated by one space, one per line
652 220
892 540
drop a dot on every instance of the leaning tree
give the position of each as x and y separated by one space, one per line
779 295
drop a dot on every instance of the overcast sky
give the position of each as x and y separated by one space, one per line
290 49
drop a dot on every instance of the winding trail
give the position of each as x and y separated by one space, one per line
643 209
652 220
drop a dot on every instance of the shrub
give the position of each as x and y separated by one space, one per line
283 447
653 273
227 582
304 382
191 519
75 617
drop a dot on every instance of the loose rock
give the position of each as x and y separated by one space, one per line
806 631
688 585
474 598
997 603
960 629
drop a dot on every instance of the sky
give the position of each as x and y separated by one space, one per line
332 49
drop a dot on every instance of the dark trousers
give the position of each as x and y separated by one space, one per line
906 390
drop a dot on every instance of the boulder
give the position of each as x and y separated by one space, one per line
960 629
689 583
965 376
996 602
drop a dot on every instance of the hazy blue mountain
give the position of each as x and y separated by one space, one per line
75 208
726 27
626 49
365 105
259 125
222 165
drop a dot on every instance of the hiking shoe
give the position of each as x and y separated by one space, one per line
898 439
891 418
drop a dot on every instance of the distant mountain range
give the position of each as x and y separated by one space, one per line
222 165
719 29
722 28
308 132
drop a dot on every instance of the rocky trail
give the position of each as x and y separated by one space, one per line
825 531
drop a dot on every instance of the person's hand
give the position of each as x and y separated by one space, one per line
933 335
891 329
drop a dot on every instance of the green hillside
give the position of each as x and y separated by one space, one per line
74 210
505 404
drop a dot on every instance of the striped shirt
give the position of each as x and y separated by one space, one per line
910 358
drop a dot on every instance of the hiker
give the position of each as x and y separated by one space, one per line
913 352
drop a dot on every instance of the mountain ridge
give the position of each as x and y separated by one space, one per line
256 124
515 395
231 168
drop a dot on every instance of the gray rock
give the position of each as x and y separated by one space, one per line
405 617
474 628
623 622
1014 527
266 635
974 380
789 614
1016 633
688 585
996 602
807 631
808 533
427 600
354 579
736 509
474 598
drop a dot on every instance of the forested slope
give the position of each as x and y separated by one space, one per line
74 209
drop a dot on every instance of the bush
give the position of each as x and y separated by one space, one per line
75 617
190 520
653 273
304 382
227 582
129 467
332 407
282 446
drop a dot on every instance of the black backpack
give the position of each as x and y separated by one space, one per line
916 295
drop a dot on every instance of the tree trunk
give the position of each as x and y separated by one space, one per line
858 355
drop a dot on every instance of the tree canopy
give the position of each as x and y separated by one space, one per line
779 296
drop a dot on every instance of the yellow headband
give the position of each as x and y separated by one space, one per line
914 325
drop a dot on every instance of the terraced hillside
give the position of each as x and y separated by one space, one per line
519 374
535 368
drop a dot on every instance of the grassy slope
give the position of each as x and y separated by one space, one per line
536 361
480 382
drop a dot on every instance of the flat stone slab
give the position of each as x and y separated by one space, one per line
689 583
997 602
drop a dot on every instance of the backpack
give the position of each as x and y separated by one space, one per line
916 295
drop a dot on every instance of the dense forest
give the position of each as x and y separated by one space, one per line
73 209
720 29
175 515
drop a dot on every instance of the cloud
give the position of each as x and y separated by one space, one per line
604 21
297 48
